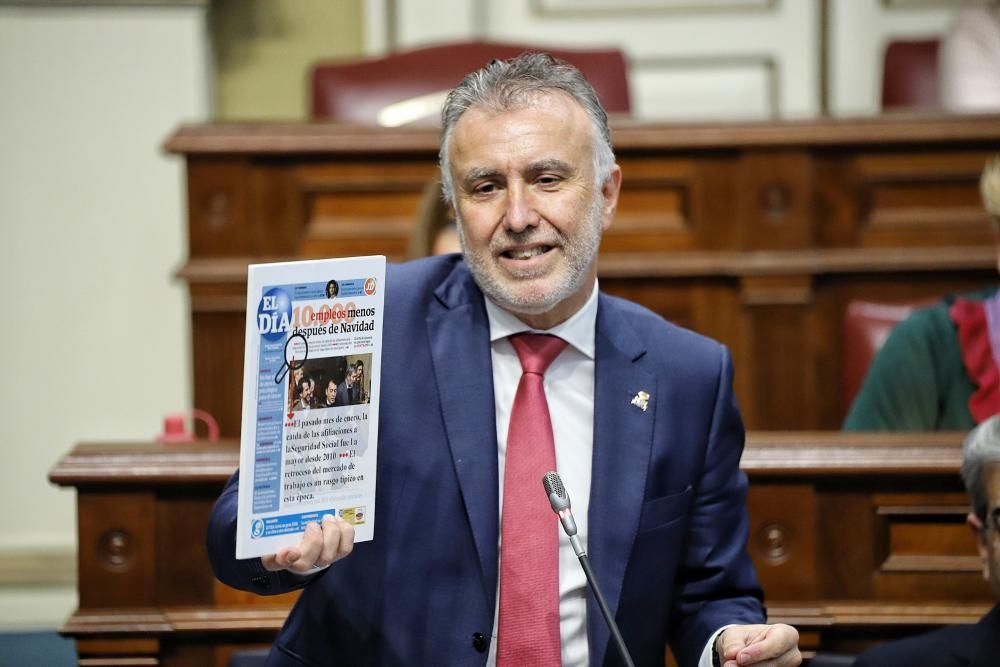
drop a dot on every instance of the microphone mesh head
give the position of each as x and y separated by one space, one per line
553 484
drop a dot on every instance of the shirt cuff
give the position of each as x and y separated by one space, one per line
706 654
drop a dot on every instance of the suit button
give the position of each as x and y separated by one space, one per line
479 642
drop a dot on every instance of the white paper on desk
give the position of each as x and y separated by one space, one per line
299 458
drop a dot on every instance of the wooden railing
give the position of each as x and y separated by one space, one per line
856 538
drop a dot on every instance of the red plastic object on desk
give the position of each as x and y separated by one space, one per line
175 427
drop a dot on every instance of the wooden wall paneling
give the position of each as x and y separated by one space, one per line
360 208
684 302
783 539
845 532
219 206
771 215
823 326
184 575
779 351
277 215
117 548
717 313
217 350
835 203
926 546
658 206
118 653
775 199
717 213
685 202
929 199
191 654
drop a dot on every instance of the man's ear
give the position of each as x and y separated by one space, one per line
610 189
976 525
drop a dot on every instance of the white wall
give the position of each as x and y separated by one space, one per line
859 32
95 330
694 59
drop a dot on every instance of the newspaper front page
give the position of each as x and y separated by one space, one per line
309 439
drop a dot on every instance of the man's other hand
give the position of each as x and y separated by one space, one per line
320 546
763 645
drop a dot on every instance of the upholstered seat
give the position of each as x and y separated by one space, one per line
910 75
408 86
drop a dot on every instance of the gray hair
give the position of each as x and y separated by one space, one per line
982 446
504 85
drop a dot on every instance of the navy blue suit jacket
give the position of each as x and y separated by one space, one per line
975 645
667 519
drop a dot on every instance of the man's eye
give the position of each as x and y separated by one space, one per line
485 189
547 180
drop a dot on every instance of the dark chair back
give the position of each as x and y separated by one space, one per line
362 90
910 75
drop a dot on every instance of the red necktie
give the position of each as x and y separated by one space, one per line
529 535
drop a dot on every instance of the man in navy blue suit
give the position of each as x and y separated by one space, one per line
976 645
647 435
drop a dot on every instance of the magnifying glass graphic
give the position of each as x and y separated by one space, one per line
296 353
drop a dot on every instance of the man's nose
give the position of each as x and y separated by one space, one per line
520 213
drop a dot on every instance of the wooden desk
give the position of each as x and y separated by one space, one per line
855 538
756 234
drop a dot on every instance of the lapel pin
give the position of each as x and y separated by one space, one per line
641 400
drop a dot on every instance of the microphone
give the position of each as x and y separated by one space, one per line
559 500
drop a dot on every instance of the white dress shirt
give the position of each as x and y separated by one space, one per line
569 390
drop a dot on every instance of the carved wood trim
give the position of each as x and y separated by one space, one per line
225 620
628 134
766 454
931 563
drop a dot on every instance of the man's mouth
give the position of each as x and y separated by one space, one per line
526 253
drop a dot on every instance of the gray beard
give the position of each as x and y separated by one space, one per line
581 252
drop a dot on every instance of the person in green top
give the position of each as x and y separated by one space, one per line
937 369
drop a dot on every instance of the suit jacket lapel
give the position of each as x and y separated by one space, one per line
459 338
623 436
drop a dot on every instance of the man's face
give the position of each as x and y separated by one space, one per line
307 390
331 391
530 216
989 536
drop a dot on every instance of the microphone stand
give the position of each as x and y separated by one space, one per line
559 500
603 604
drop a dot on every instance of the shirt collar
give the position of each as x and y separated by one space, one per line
578 330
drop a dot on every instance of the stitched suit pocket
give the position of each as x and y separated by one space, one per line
663 510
